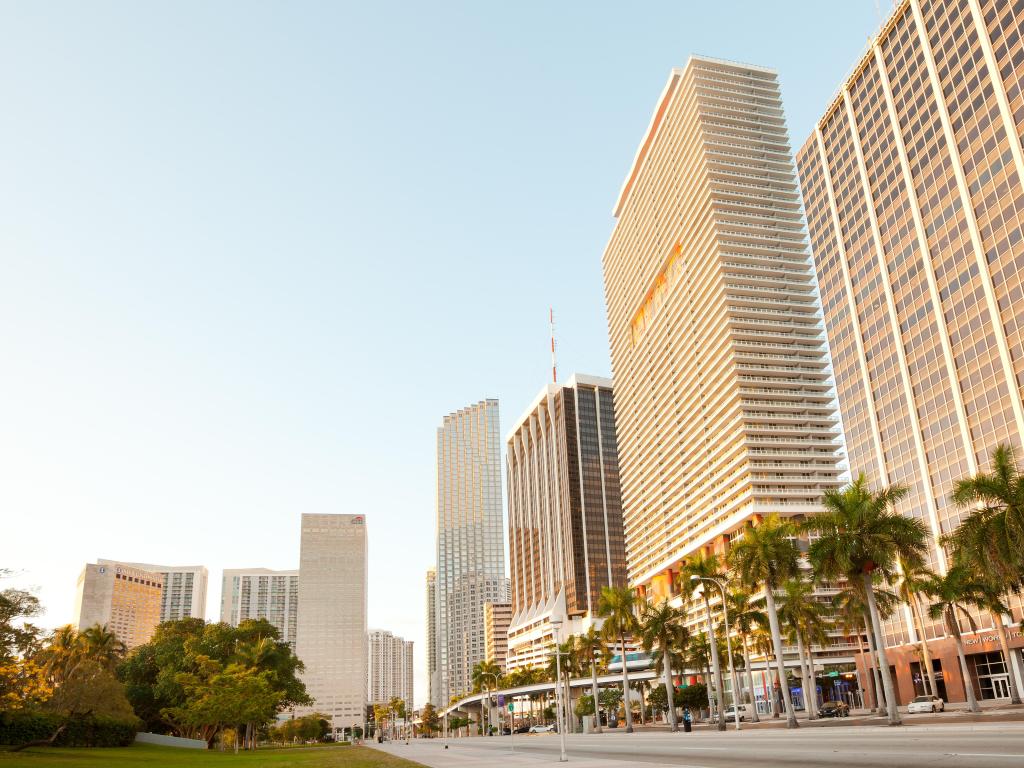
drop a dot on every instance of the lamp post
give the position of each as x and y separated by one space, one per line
728 648
556 626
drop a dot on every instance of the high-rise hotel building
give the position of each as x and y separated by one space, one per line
184 592
564 514
912 182
124 599
260 593
331 621
470 541
723 397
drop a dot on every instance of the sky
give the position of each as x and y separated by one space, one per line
252 253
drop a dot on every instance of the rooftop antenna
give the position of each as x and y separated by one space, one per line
554 367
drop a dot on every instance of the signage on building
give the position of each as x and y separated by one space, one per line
992 638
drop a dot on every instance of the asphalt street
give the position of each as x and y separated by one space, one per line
968 745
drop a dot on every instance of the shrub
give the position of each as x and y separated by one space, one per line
89 731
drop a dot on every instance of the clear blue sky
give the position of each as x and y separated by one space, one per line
251 253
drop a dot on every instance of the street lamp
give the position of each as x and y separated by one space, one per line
728 648
556 627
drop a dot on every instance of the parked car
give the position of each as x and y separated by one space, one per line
834 709
543 729
926 704
730 714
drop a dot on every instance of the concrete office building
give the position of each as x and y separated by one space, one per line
389 668
260 593
470 541
331 622
433 675
497 617
912 182
120 597
184 593
564 514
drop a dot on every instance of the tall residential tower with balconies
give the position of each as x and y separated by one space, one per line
723 396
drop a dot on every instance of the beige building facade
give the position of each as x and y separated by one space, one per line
723 396
184 592
331 621
912 183
120 597
260 593
497 617
389 668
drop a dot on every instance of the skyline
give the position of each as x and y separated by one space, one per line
188 375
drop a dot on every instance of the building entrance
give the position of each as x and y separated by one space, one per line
992 675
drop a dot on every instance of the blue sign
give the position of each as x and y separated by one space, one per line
501 699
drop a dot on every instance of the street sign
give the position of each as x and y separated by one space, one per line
510 702
501 699
833 673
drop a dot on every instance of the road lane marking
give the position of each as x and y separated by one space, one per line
980 754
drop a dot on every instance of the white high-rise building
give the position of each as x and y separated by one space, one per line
331 626
389 668
470 541
433 677
184 592
260 593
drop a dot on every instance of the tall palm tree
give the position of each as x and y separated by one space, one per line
661 627
589 645
951 594
999 523
762 642
765 557
805 618
990 598
617 605
746 616
485 674
695 569
861 533
851 608
913 579
100 644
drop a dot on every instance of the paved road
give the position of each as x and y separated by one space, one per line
963 746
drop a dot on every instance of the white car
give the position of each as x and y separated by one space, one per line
542 729
926 704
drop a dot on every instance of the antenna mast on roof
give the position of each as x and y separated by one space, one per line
554 367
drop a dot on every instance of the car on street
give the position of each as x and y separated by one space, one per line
926 704
730 714
542 729
834 709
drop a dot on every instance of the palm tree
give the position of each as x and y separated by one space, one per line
951 595
694 571
484 674
661 627
762 642
765 557
746 616
100 644
913 579
852 610
805 617
590 646
861 533
617 605
998 526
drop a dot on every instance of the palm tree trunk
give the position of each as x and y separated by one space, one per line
717 667
954 630
883 659
803 675
864 659
1004 644
879 694
595 694
773 621
669 690
926 655
750 680
627 705
814 681
771 686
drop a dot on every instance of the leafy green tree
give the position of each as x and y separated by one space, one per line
693 696
617 605
661 628
584 705
430 720
851 610
765 557
861 533
23 681
745 616
692 578
610 699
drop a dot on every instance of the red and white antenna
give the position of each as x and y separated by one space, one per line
554 366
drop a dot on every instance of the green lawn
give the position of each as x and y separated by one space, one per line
167 757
